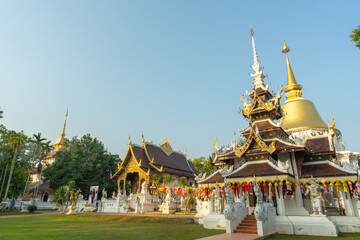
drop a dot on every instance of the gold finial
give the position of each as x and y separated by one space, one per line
143 140
285 49
66 115
129 140
251 31
293 89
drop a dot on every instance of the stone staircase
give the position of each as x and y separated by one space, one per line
248 225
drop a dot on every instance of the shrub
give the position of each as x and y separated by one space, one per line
32 208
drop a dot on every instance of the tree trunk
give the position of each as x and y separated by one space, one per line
28 177
10 175
3 182
27 182
37 187
2 173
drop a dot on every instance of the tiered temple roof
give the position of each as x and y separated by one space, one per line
289 141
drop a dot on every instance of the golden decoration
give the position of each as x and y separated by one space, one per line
332 127
252 136
59 144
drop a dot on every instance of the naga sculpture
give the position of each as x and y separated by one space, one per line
231 208
261 209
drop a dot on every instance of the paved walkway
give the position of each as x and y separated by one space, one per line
232 236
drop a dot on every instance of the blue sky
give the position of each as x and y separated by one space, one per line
169 68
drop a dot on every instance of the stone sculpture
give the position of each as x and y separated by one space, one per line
261 209
315 197
104 194
231 207
217 199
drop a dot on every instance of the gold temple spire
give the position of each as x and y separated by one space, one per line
293 89
298 112
60 142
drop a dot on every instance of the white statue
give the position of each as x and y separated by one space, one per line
168 206
104 194
81 197
315 197
145 197
168 198
144 186
217 198
261 208
231 208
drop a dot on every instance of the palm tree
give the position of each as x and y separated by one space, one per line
4 156
37 150
16 140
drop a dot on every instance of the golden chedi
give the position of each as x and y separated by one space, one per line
299 113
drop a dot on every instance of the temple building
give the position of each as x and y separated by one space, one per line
143 161
284 147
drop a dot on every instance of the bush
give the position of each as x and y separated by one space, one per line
32 208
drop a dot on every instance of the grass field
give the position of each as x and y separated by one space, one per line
97 226
8 213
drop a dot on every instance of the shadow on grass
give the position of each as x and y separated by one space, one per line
347 236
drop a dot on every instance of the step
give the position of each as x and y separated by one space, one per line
247 224
246 231
252 217
246 228
249 221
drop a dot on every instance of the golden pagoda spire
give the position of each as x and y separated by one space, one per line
293 89
60 142
298 112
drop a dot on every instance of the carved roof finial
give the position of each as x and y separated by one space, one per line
258 76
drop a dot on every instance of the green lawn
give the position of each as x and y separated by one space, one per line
101 227
7 213
347 236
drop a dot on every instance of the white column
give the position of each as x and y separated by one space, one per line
211 204
298 195
349 210
279 201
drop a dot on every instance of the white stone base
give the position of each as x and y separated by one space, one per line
346 223
198 218
283 225
215 221
146 207
90 208
302 225
296 212
168 210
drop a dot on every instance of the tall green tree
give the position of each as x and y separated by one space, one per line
198 163
355 36
85 161
203 166
16 140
